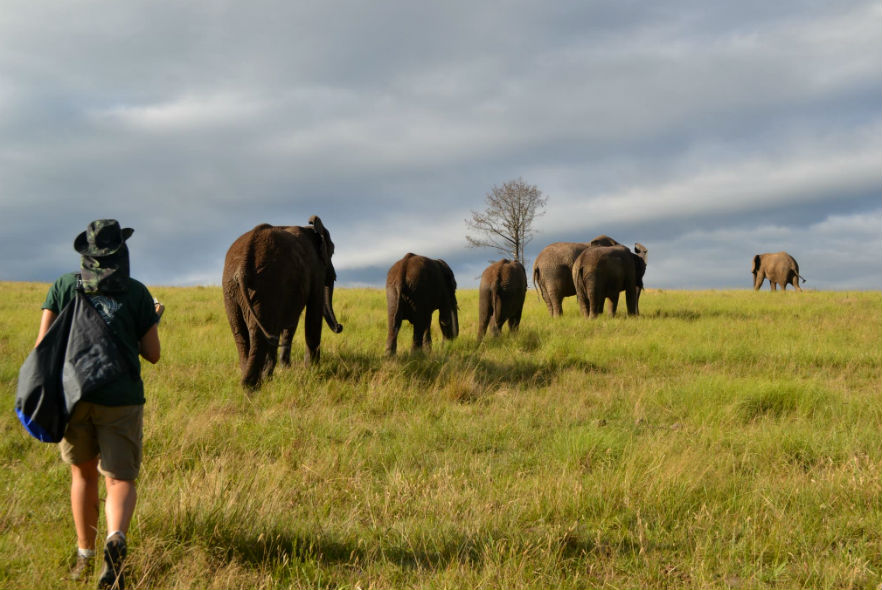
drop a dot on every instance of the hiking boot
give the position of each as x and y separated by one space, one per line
82 569
114 555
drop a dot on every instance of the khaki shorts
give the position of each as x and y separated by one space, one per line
112 432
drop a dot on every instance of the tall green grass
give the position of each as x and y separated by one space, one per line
724 439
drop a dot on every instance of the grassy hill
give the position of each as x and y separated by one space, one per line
724 439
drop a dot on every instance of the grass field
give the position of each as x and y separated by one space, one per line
724 439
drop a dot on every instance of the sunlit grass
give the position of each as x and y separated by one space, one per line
722 439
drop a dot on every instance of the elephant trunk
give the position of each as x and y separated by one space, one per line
449 322
328 310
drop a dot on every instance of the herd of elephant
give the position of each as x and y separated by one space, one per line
272 273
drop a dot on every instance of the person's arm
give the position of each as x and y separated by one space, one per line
45 321
149 345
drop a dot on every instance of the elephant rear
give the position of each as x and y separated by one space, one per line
601 273
553 273
501 296
780 268
415 287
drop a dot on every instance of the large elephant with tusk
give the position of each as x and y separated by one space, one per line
271 274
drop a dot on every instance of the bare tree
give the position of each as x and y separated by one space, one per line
507 222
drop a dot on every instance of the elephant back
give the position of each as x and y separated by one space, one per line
417 278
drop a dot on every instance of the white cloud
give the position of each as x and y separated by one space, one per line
184 113
731 186
392 238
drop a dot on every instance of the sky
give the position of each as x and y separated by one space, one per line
707 131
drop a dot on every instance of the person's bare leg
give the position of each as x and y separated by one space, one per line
84 502
120 504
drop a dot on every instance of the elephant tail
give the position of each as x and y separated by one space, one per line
537 284
801 277
240 279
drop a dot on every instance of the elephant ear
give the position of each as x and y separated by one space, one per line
325 245
641 251
757 260
640 266
448 277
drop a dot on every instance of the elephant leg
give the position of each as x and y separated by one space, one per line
773 284
394 317
392 339
546 297
392 336
595 304
795 283
285 341
427 334
556 305
758 281
484 316
482 329
631 301
514 323
614 303
240 331
499 314
496 323
256 360
313 330
395 320
583 302
269 362
420 328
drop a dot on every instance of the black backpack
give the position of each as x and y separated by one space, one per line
77 355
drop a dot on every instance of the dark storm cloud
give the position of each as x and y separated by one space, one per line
730 128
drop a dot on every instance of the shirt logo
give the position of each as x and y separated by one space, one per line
106 306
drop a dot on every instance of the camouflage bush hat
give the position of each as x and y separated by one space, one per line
102 238
104 257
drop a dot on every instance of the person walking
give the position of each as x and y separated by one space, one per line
104 435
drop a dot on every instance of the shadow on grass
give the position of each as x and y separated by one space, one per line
691 315
433 369
281 548
303 553
428 371
271 550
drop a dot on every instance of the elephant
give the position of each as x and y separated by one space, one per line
553 270
605 271
780 268
415 287
501 296
271 273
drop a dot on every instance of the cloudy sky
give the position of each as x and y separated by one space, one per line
708 131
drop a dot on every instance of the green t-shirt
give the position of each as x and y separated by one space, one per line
129 315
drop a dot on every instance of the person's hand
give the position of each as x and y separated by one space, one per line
159 307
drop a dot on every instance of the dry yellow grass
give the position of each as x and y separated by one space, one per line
722 440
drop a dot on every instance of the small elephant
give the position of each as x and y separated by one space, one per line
602 272
553 270
501 296
415 287
780 268
270 275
